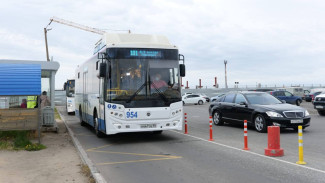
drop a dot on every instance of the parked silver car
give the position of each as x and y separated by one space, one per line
215 98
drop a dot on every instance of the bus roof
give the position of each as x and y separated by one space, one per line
136 41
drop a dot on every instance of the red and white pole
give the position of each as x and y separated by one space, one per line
245 136
215 82
200 86
185 121
211 135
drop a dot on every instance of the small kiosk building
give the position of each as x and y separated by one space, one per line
21 85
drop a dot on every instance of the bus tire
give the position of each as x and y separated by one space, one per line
71 113
98 133
157 132
82 123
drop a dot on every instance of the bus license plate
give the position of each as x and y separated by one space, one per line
148 126
319 107
297 121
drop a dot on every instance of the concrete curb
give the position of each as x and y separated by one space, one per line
83 155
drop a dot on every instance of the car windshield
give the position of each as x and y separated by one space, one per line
262 99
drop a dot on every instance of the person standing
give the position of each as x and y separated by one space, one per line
45 101
31 102
23 104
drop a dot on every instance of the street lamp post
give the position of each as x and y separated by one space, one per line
47 50
225 62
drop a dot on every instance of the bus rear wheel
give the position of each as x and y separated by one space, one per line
82 123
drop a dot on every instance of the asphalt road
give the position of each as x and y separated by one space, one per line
175 157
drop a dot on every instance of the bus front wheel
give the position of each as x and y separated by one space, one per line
99 134
157 132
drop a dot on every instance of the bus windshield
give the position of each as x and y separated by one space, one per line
70 88
143 82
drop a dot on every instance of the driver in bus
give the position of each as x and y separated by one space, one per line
158 83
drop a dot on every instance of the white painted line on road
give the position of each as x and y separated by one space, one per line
268 157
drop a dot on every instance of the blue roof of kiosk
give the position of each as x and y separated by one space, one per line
20 79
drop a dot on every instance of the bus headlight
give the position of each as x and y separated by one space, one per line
175 122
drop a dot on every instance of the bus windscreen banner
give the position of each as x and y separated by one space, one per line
143 53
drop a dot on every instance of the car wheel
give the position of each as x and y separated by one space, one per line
200 102
260 123
217 118
298 102
82 123
99 134
322 113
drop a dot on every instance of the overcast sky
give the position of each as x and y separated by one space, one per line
269 42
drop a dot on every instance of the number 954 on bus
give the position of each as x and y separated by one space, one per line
131 114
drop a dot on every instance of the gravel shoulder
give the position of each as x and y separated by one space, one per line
58 163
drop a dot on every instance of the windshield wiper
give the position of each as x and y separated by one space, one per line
159 92
137 92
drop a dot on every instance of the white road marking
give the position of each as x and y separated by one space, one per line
267 157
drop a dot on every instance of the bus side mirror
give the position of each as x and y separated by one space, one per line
182 70
102 70
65 86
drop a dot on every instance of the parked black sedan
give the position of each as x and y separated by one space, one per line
259 109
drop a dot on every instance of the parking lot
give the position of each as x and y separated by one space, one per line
175 157
232 135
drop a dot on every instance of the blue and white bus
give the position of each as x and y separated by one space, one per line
131 84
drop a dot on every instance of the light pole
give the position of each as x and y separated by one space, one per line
47 49
46 46
225 62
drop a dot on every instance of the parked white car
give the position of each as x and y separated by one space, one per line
188 93
193 99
